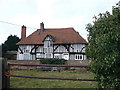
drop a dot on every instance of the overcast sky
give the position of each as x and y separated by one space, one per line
54 14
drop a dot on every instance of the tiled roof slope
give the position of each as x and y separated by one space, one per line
61 36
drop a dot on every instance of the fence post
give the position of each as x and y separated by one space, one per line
0 67
0 74
5 79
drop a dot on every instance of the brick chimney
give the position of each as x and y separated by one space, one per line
42 27
23 32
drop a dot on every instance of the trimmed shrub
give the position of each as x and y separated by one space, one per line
52 61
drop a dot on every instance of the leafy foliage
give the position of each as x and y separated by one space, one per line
52 61
9 45
104 49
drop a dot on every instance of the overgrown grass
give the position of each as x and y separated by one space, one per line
44 83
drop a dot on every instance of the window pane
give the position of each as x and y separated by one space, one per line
76 57
80 56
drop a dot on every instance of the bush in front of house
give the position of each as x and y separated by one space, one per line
52 61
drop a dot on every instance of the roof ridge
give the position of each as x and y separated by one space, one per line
58 28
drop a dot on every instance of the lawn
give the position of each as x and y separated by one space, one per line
44 83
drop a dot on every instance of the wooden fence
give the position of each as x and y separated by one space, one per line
33 65
68 62
6 74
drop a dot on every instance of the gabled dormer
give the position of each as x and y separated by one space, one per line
48 41
48 46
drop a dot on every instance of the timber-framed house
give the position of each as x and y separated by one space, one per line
63 43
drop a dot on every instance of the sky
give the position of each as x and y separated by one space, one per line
53 13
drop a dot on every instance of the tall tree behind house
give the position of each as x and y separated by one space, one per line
10 45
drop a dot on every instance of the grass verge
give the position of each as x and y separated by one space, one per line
44 83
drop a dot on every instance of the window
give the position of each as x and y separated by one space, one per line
81 57
56 56
25 50
48 44
45 50
78 57
48 55
48 50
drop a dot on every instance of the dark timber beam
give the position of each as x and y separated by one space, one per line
21 52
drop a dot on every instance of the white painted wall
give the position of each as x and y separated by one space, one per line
60 49
19 56
76 47
40 49
26 53
85 58
72 57
40 55
63 51
60 56
66 56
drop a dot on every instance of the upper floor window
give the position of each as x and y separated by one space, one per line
25 50
48 42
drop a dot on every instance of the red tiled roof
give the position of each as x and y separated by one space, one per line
61 36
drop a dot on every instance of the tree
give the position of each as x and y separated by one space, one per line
10 44
104 49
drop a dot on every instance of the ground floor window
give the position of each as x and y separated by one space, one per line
78 57
48 55
58 56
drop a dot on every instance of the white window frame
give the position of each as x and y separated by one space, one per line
77 57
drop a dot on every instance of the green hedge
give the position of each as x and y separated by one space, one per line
52 61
